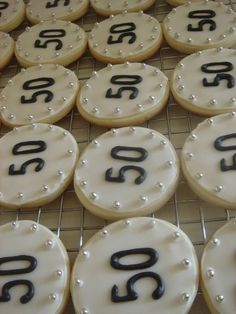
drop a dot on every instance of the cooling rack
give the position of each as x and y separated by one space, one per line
67 218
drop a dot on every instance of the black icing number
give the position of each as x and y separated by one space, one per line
132 295
115 153
55 34
38 147
125 30
54 4
126 80
3 5
38 83
205 16
219 146
220 68
5 296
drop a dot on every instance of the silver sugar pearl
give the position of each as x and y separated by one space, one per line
219 298
185 297
210 273
52 297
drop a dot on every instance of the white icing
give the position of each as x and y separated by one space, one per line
64 92
93 93
108 7
59 9
73 43
129 195
57 157
145 232
148 33
176 22
6 47
11 14
206 159
189 74
22 239
220 258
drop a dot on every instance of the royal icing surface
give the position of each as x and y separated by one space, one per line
158 262
201 25
217 267
206 80
126 172
208 159
11 14
126 92
60 9
34 269
37 163
125 37
43 93
52 41
6 48
107 7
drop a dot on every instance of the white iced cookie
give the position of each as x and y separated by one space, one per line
108 7
200 25
68 10
217 269
123 94
209 161
37 164
125 37
126 172
12 13
6 49
204 82
34 269
52 41
142 265
42 93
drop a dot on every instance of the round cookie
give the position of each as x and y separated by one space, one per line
125 37
12 13
34 269
113 98
208 160
108 7
139 264
200 25
68 10
126 172
42 93
55 41
6 49
217 269
37 164
204 82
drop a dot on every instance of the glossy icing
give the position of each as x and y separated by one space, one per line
12 13
42 93
116 200
216 272
6 49
52 41
98 99
174 261
49 275
49 167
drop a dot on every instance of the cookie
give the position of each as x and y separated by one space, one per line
55 41
217 267
34 269
68 10
113 98
42 93
200 25
6 49
155 271
125 37
204 82
108 7
37 164
126 172
208 160
12 14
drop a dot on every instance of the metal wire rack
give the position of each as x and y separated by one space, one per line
66 216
